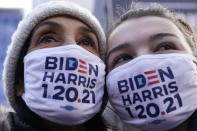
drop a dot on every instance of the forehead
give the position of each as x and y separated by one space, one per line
141 28
63 24
66 21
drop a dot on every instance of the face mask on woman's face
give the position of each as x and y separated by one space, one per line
154 92
64 84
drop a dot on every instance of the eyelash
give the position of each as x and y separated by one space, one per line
169 45
88 42
46 37
117 61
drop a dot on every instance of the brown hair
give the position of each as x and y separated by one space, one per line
157 10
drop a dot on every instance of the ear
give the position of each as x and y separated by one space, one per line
20 88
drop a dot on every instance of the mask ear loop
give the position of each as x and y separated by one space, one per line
195 60
109 108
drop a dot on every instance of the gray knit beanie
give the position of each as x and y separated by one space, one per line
25 28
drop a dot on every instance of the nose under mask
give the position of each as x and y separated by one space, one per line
154 92
64 84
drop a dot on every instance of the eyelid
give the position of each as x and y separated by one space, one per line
49 34
172 44
115 60
91 45
91 41
93 37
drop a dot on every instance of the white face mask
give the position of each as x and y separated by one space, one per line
64 84
154 92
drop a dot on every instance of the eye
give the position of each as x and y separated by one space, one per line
86 42
121 60
48 38
166 46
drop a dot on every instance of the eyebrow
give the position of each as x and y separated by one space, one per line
151 38
86 30
117 48
160 36
47 23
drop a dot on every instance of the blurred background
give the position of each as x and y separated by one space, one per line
12 11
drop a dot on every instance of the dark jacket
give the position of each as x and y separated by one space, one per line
10 121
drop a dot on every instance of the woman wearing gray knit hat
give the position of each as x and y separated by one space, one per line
53 75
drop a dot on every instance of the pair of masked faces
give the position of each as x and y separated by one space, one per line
151 79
